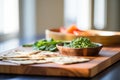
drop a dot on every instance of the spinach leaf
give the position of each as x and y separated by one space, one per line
47 45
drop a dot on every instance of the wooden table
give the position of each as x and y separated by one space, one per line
111 73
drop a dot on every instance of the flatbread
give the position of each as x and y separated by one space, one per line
23 59
19 54
33 56
27 57
27 61
67 60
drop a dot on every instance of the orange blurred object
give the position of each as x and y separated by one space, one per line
82 33
62 29
72 28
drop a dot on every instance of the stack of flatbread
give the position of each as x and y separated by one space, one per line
33 56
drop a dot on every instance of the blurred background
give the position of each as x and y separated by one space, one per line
22 20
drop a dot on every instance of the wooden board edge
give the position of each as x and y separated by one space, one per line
43 71
102 66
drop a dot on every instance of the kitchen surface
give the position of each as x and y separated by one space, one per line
110 73
59 39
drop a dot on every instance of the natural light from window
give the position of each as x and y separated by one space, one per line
9 16
78 12
100 14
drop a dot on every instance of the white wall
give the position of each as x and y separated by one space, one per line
38 15
113 15
49 14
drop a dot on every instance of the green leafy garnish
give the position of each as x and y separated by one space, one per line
47 45
50 44
81 42
27 45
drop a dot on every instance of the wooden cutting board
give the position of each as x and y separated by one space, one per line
107 57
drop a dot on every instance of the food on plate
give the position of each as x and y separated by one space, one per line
83 33
58 60
73 29
42 52
19 62
79 47
40 57
20 54
67 59
27 57
46 45
81 42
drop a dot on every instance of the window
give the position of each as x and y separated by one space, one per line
9 18
86 14
100 14
70 12
78 12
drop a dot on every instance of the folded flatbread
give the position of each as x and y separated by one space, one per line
33 56
67 60
20 54
27 61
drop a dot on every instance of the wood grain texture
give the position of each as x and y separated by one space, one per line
107 56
